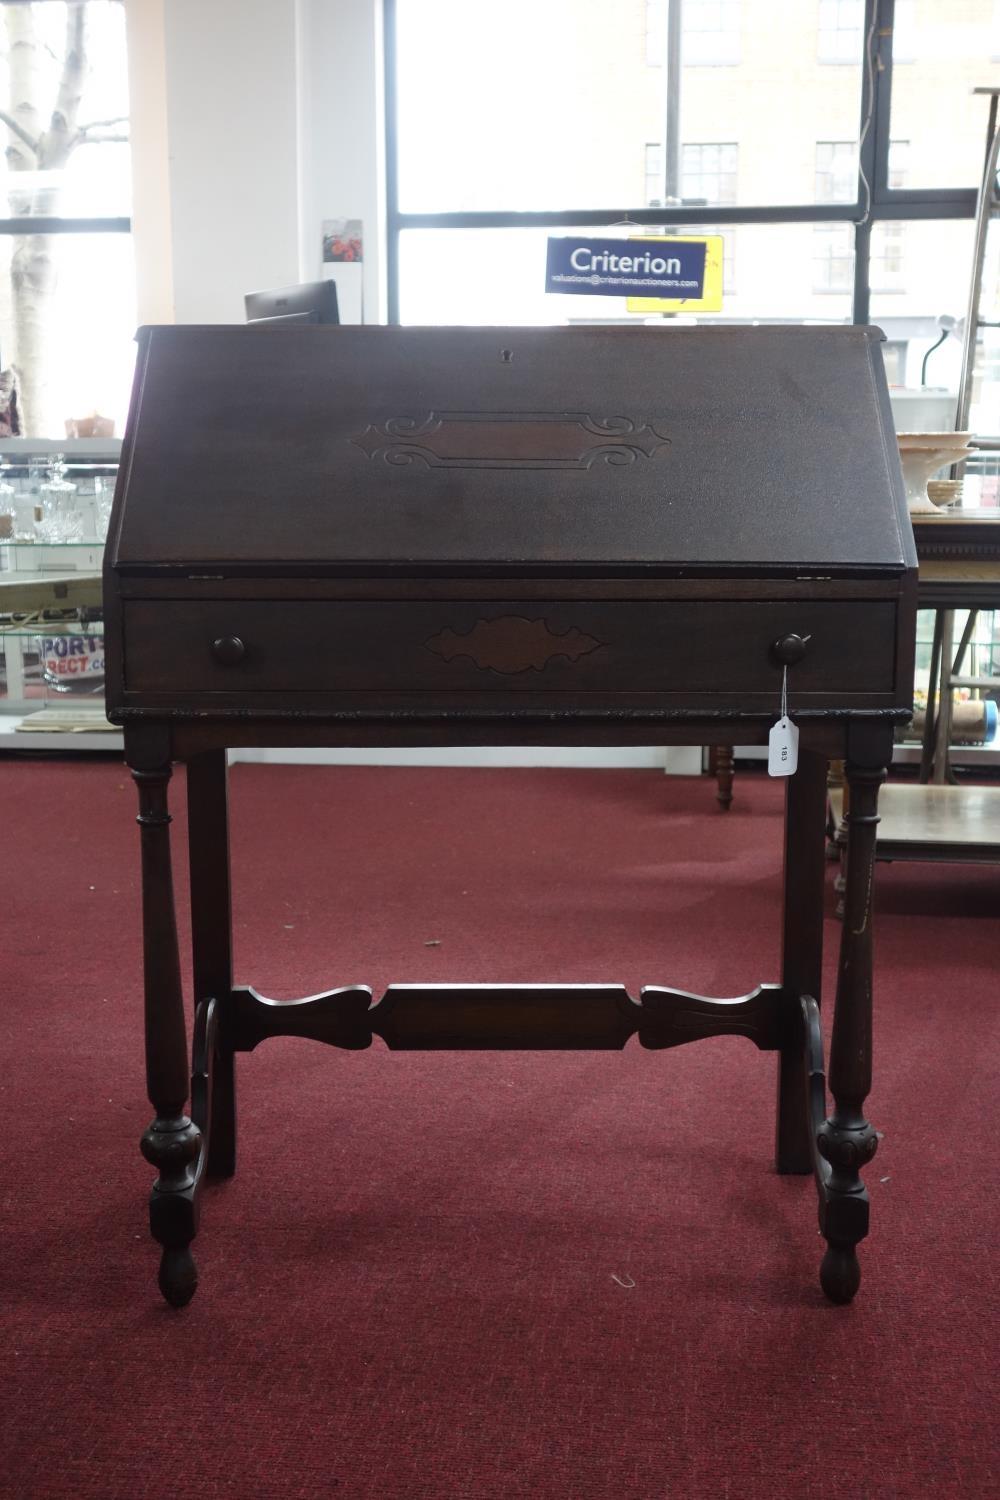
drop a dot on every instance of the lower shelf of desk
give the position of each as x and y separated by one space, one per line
948 824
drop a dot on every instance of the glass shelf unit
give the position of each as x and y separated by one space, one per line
55 500
48 662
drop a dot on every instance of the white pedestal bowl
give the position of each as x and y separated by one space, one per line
922 454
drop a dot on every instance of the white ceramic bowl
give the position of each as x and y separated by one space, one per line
944 492
922 454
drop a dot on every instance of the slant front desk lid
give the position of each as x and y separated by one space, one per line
385 449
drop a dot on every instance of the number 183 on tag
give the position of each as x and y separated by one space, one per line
783 748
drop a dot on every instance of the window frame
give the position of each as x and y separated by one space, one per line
872 204
65 224
13 225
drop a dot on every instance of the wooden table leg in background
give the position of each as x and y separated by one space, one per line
802 950
213 1085
846 1141
941 772
720 765
172 1144
933 701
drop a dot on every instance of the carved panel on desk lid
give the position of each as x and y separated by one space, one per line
510 440
513 644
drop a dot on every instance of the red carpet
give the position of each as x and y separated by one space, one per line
490 1276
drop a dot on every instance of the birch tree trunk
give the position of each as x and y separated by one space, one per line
39 140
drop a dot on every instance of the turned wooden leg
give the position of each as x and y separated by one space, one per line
172 1143
930 713
723 768
940 773
846 1141
802 952
214 1095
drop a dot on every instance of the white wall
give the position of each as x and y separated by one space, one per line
151 219
253 121
232 124
342 135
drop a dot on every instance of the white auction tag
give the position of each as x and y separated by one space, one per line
783 748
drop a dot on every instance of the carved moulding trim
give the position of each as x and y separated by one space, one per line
937 551
509 440
512 643
498 1017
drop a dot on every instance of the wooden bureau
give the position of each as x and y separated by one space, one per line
383 536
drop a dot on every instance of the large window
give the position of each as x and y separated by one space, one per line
67 305
849 163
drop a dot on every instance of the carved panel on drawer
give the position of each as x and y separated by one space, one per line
512 644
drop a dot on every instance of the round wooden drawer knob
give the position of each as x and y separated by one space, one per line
789 649
229 650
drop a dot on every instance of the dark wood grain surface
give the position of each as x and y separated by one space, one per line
443 647
396 448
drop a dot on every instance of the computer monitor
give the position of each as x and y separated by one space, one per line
311 302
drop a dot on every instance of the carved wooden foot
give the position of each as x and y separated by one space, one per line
840 1273
844 1204
172 1144
844 1213
846 1142
173 1147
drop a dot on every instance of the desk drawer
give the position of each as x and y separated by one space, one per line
605 647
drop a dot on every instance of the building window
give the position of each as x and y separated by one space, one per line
887 256
836 171
833 258
710 32
708 171
841 31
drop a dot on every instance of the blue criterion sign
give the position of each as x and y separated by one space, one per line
625 268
